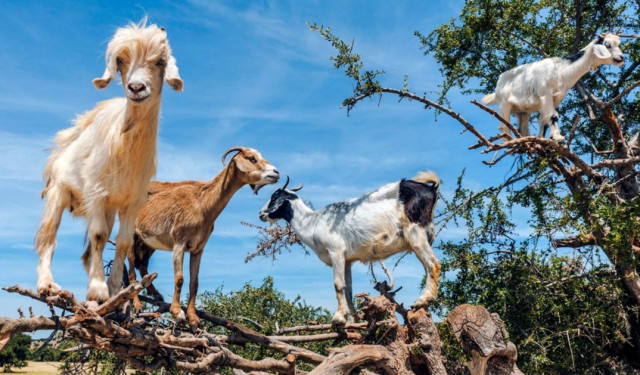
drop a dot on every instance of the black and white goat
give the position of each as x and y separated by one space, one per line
541 85
394 218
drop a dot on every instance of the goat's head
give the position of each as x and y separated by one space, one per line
606 48
279 206
252 168
143 57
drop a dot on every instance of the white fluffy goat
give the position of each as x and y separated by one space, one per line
541 85
102 165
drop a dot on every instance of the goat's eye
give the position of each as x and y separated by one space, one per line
161 63
607 44
253 160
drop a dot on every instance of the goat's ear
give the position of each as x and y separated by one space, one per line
601 51
171 74
242 164
107 76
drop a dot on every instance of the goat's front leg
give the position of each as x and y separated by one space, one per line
554 130
349 292
194 270
338 264
432 270
178 259
98 235
549 118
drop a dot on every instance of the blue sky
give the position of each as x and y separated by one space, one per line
254 75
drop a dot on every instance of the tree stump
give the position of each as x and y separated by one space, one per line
482 334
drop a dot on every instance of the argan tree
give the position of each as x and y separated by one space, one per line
570 292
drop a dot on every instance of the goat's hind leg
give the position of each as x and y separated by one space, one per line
142 254
178 260
124 248
523 124
432 270
505 113
56 201
194 270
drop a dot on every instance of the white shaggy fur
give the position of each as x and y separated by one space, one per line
541 85
369 228
102 165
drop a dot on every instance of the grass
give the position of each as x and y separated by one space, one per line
38 368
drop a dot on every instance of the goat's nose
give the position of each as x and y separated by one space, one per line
136 87
276 172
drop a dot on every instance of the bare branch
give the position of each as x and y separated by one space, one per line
621 95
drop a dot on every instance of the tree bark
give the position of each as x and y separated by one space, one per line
483 335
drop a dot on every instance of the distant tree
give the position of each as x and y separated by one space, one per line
569 311
264 309
16 352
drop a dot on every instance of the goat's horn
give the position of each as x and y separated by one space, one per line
286 183
298 188
232 149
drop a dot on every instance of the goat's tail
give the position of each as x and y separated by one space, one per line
427 177
489 99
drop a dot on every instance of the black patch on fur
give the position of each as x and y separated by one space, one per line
599 39
279 206
418 200
575 57
554 119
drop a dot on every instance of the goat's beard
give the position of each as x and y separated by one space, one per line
256 188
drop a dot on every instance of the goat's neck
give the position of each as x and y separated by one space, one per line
217 193
142 118
572 72
302 220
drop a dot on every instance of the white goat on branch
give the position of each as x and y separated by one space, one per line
541 85
394 218
102 165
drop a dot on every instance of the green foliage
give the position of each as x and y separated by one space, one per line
366 81
16 352
564 312
91 361
262 308
456 356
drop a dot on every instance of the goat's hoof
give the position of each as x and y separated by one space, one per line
338 320
98 291
178 314
48 287
193 319
137 306
421 303
91 305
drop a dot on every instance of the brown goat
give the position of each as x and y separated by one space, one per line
180 216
